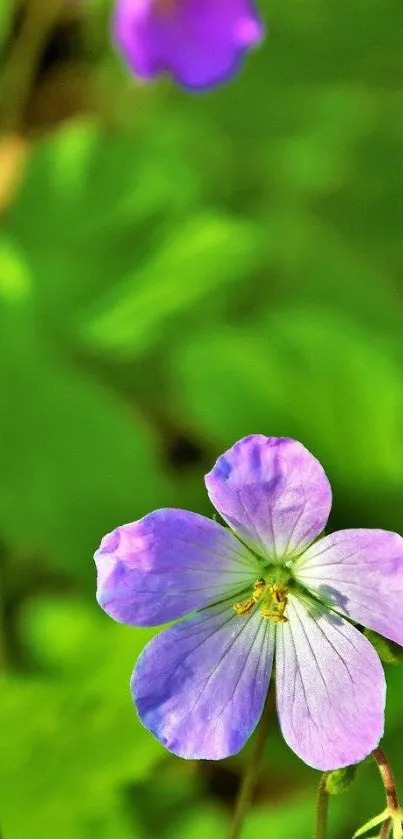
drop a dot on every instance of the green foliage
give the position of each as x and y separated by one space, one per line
5 20
176 272
84 179
285 821
388 651
71 740
203 822
304 372
196 269
72 450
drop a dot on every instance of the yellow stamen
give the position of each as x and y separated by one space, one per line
275 600
271 615
245 606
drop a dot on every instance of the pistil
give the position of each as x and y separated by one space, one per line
275 610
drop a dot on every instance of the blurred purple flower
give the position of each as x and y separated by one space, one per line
200 685
199 42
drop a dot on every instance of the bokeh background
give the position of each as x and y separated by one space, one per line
177 271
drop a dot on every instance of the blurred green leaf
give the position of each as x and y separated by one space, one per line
293 818
247 242
203 822
313 265
6 9
177 787
394 680
85 179
305 373
80 740
200 263
75 460
388 651
316 157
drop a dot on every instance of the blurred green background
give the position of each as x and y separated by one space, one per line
176 272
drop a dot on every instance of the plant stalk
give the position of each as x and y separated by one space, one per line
385 830
250 776
322 807
392 800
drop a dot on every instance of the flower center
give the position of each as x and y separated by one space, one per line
273 601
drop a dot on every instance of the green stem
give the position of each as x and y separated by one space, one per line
22 63
322 806
249 779
374 822
389 784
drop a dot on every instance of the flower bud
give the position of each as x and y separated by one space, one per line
339 780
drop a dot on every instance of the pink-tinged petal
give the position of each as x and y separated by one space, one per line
272 492
360 573
199 42
200 686
330 688
168 564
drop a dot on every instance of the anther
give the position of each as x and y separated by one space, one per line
272 615
245 606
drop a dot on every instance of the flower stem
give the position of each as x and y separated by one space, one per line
322 806
249 778
392 800
374 822
385 830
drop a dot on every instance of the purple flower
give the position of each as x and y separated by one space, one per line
199 42
267 583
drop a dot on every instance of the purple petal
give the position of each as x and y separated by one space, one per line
200 42
272 492
168 564
360 572
330 688
200 686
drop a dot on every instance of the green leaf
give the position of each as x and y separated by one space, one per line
85 180
6 11
178 787
204 821
307 373
303 249
388 651
75 460
198 264
282 820
71 738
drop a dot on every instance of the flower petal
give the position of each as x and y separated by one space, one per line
272 492
200 42
360 573
168 564
330 688
200 686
